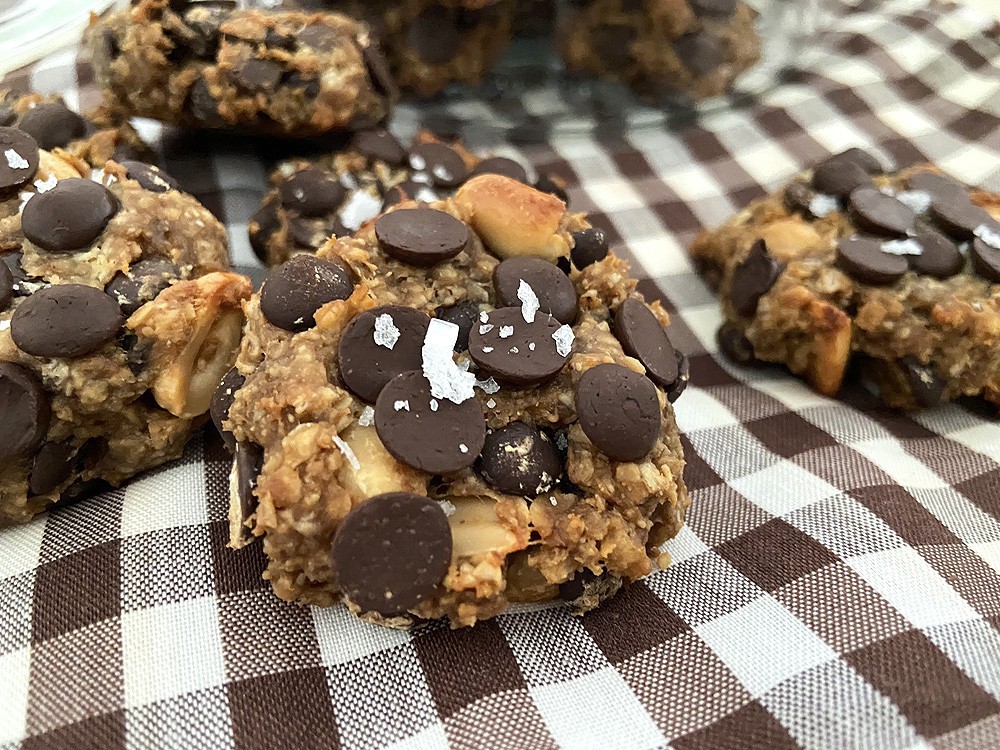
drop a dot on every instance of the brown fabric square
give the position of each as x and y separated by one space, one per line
775 554
787 434
77 590
508 721
290 709
706 372
697 473
613 626
720 513
907 517
984 491
236 570
777 122
677 217
104 732
749 727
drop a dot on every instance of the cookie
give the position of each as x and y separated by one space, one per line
213 65
433 444
118 317
895 269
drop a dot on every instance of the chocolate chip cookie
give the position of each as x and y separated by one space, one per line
662 48
212 65
334 194
441 421
117 319
899 271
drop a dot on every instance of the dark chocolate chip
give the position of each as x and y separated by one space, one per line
26 411
258 75
200 34
619 411
925 385
700 52
308 85
71 320
430 434
576 586
149 176
378 70
959 218
643 338
519 352
434 36
378 345
520 459
753 278
310 234
941 187
421 236
840 176
865 260
51 466
319 37
941 257
392 552
141 283
263 225
556 293
312 192
465 315
249 463
7 114
136 353
6 286
203 106
502 166
589 246
52 125
20 158
443 164
798 197
296 289
380 145
683 378
876 212
863 159
717 9
986 260
735 345
274 39
12 261
222 402
552 184
613 43
70 216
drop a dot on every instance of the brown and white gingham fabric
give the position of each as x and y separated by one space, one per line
837 584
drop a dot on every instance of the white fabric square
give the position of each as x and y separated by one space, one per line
974 646
15 668
704 322
701 411
684 546
344 638
894 460
578 654
845 527
167 725
660 256
165 499
783 487
21 548
429 738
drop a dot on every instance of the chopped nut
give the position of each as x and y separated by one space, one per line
787 238
476 529
377 470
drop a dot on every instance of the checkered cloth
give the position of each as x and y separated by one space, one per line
837 584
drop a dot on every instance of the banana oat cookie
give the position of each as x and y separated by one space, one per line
212 65
117 319
897 270
431 419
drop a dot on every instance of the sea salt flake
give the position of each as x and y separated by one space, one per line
4 325
485 329
426 195
15 160
348 453
487 349
442 173
514 350
529 301
564 339
423 179
490 385
492 404
401 405
360 207
989 235
506 332
418 162
434 404
463 447
903 247
447 506
562 442
447 379
484 316
531 346
348 181
823 205
919 201
553 501
386 334
367 418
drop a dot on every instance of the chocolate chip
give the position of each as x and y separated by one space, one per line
52 125
70 216
222 402
502 166
392 552
6 286
876 212
519 352
296 289
986 260
552 184
959 218
575 587
925 385
589 246
613 43
312 192
149 176
798 197
941 257
307 85
258 75
680 385
753 278
619 411
421 236
863 159
840 176
378 70
643 338
520 459
378 345
941 187
20 158
443 164
7 114
430 434
12 261
51 466
865 260
141 283
380 145
262 226
556 293
274 39
71 320
310 234
433 35
203 106
26 411
735 345
719 9
700 52
319 37
465 315
200 34
249 463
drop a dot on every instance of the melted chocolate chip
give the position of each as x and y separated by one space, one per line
222 402
925 385
683 378
421 236
203 106
52 125
643 338
6 286
465 315
799 197
312 192
70 216
520 459
700 52
959 218
258 75
986 260
941 257
249 463
863 159
443 164
735 345
378 70
502 166
296 289
380 145
51 466
552 184
71 320
941 187
434 36
589 246
263 225
142 283
619 411
18 158
430 434
26 411
149 176
555 292
876 212
378 345
392 552
863 258
840 176
753 278
516 351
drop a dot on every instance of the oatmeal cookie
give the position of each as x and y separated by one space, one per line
432 418
117 319
899 270
208 65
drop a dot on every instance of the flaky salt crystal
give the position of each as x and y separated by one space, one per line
446 378
490 385
463 447
401 405
447 506
348 453
823 205
903 247
988 235
564 339
919 201
367 418
15 160
506 332
529 301
386 334
360 207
